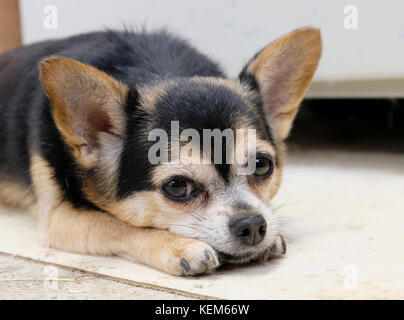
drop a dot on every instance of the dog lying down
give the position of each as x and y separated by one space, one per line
137 145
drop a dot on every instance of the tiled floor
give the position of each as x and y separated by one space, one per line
26 279
344 222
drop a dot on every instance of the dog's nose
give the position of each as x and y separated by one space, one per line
249 229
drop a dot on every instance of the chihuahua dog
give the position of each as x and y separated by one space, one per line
75 122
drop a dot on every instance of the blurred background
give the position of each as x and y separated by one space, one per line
356 93
357 90
363 40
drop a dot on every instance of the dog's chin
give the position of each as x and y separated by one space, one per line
276 250
239 259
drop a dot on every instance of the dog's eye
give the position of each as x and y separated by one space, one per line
177 188
263 166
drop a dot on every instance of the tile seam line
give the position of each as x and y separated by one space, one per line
117 279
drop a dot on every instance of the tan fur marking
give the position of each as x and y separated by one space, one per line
149 95
93 232
46 191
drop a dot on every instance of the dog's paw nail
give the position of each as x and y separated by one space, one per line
207 255
277 249
212 260
283 245
198 259
210 257
185 266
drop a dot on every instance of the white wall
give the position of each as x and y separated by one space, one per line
231 31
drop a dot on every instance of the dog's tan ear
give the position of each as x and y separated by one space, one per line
86 102
282 72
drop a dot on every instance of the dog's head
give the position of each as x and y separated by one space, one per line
200 186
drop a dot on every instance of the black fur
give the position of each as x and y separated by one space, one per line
249 79
201 106
134 169
252 83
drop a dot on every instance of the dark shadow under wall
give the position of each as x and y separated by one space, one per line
350 124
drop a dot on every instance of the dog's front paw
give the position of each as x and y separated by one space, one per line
194 258
277 249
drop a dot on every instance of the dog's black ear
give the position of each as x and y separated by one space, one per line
86 103
282 73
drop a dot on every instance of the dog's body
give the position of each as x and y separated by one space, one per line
76 147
